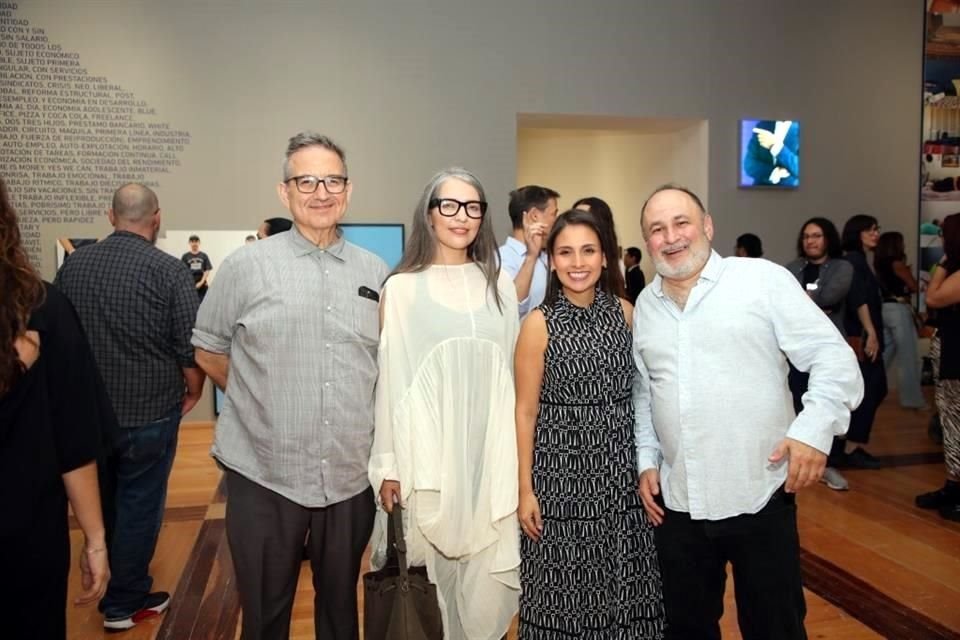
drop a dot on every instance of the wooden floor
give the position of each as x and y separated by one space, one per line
874 565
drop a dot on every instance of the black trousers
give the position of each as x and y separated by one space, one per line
266 533
874 391
764 552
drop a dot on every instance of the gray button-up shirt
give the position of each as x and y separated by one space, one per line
302 341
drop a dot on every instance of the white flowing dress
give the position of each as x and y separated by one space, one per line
445 430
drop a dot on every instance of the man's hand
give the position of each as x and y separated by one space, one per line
806 463
389 494
528 512
649 487
534 235
766 138
190 400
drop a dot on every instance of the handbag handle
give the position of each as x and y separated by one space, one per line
399 542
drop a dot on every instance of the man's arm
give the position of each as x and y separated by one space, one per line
811 342
194 377
215 365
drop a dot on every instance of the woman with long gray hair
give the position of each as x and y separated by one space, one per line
445 446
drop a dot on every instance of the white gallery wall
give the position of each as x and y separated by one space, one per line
622 166
410 87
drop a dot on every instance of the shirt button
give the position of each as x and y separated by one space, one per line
326 272
329 308
327 346
326 384
323 462
326 422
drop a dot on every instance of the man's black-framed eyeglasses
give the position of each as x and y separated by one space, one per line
309 184
448 207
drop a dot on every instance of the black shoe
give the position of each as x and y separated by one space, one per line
938 499
950 512
154 604
860 459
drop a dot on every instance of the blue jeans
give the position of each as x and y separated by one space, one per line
900 343
143 461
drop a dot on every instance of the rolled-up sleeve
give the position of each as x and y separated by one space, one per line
220 311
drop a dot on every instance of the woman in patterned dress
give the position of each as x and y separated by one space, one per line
588 568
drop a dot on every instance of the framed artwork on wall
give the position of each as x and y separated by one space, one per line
769 154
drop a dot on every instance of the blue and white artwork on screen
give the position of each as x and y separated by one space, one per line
385 240
769 153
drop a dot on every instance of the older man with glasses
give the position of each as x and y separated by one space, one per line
289 330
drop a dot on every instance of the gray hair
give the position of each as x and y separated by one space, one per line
672 186
421 249
306 139
133 202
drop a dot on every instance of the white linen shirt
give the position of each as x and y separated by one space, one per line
711 397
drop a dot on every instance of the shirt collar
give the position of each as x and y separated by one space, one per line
129 234
711 271
303 247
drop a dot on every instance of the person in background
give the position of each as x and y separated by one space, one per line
604 215
943 294
533 210
200 266
749 246
900 331
250 239
636 281
578 502
53 416
863 324
273 226
826 278
137 306
445 447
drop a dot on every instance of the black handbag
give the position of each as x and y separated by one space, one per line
400 603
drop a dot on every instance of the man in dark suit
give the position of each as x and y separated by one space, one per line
634 276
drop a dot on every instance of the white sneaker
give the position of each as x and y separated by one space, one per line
832 478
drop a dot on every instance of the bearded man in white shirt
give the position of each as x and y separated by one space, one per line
720 451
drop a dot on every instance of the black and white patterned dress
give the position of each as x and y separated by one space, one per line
594 573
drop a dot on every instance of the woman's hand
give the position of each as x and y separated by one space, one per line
94 574
528 512
389 494
872 347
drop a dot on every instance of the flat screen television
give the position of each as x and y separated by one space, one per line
769 154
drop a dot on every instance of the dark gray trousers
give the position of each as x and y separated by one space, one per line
266 533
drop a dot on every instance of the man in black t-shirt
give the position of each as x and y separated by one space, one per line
199 264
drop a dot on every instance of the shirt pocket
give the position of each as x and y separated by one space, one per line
366 319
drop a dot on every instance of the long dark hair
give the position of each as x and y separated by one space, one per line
22 292
608 278
830 235
951 242
889 249
604 215
850 239
421 249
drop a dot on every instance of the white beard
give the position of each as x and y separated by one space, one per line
699 254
